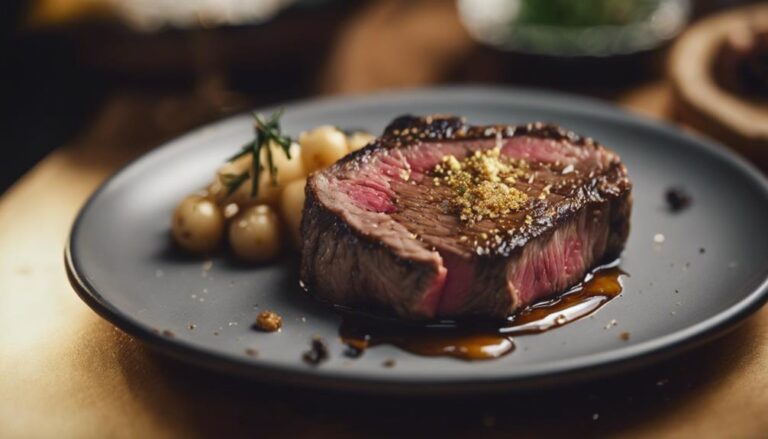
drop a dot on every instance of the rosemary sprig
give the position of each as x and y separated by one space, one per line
267 131
233 181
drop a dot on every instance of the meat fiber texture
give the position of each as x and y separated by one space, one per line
378 235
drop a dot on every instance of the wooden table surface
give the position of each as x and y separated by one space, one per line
65 372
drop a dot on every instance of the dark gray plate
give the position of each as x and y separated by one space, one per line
120 262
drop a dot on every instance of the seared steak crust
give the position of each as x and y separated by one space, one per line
377 232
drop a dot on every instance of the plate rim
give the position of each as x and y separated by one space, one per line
564 371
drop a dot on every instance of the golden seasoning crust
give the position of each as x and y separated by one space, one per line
482 184
269 321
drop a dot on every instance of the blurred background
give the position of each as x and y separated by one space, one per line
117 77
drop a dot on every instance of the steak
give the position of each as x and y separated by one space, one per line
384 229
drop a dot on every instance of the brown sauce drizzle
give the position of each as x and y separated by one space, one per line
427 341
484 343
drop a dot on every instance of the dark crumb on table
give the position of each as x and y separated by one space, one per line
251 352
677 199
168 333
702 250
317 353
624 336
677 291
268 321
389 363
192 326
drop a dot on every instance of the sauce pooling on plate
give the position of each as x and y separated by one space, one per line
484 343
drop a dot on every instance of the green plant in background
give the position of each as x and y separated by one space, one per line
584 13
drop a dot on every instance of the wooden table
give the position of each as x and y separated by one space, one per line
66 372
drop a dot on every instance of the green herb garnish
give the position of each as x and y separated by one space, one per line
267 131
233 181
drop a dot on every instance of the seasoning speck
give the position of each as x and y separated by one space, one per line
702 250
268 321
251 352
191 326
677 199
624 336
317 353
168 333
389 363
